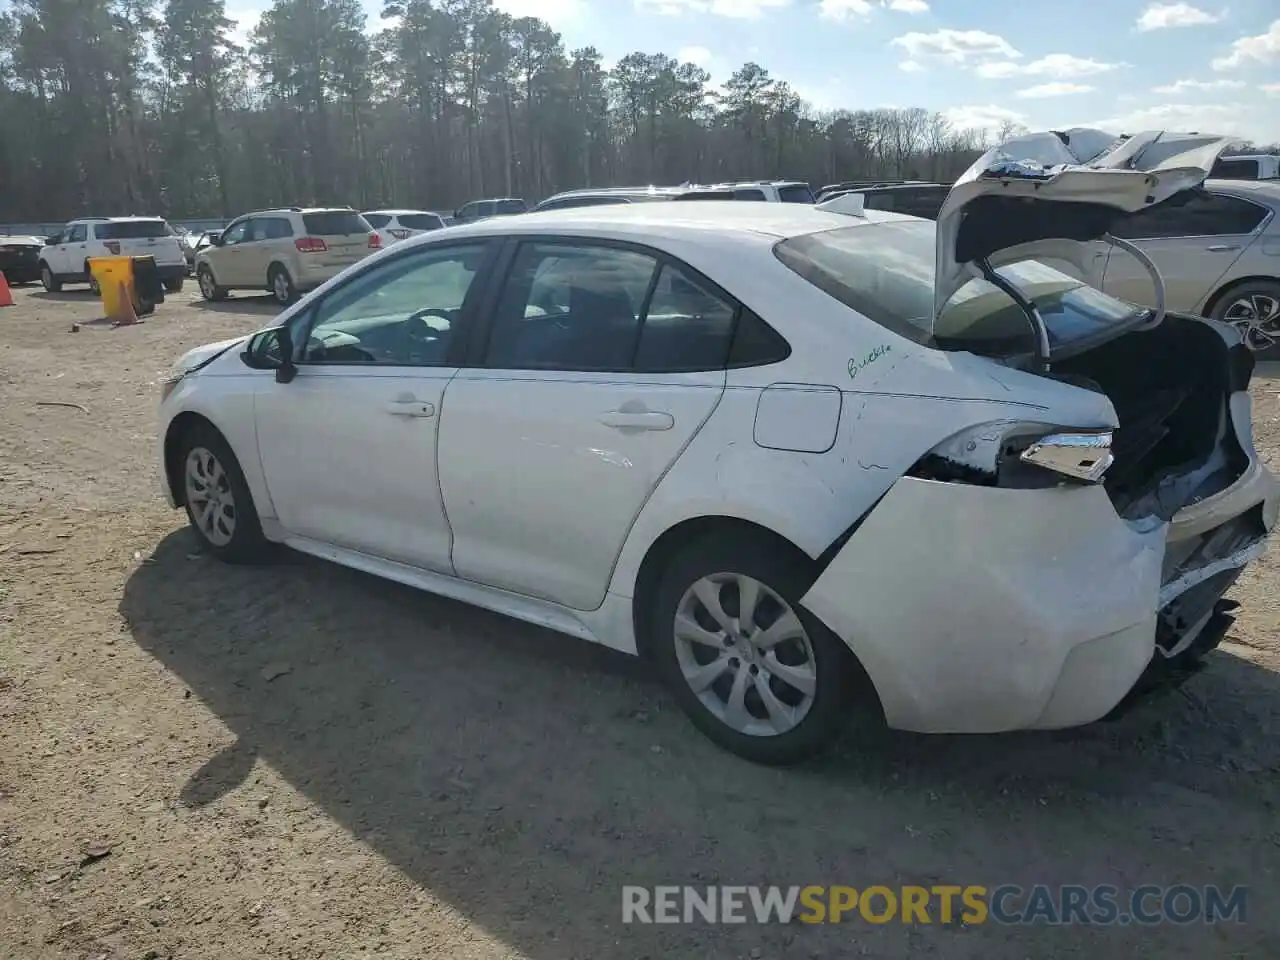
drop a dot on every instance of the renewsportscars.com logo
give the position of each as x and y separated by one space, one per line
1006 904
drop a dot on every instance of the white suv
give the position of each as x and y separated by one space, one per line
65 256
771 191
393 225
286 251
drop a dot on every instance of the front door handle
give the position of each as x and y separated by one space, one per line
638 420
410 408
1223 247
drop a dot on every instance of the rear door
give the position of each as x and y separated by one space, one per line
345 234
573 407
1193 243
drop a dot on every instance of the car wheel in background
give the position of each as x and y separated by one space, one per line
48 280
755 672
219 504
281 285
1253 308
174 286
209 288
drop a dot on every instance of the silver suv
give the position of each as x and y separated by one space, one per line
286 251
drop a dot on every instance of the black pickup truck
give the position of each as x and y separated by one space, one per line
20 258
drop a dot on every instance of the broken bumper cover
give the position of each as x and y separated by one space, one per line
981 609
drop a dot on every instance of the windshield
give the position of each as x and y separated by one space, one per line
335 223
885 272
795 193
131 229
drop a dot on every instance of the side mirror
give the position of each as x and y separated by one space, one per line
215 239
271 350
52 241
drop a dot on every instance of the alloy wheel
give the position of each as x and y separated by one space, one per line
745 654
206 284
210 497
1257 317
280 286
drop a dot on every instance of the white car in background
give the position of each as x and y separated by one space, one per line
66 255
807 463
395 225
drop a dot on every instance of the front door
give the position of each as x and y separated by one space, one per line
1193 243
229 261
348 447
601 365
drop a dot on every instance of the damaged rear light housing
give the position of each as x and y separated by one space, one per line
1015 454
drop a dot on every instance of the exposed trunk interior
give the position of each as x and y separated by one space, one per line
1170 387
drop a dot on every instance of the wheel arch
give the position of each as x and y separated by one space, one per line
678 536
1221 293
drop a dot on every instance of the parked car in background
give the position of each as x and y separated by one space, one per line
66 255
20 259
732 439
913 199
844 186
285 251
483 209
604 196
198 243
1247 167
393 225
1218 250
770 191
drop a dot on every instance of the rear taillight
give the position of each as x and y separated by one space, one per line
399 234
113 246
310 245
375 241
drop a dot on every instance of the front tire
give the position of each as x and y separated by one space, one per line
756 672
209 288
1253 308
219 505
49 280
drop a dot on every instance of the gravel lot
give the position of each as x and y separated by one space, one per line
199 761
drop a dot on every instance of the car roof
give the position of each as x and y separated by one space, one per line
396 213
1263 191
653 222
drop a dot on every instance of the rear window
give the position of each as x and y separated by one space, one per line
132 230
795 193
1236 170
377 220
419 221
886 271
508 206
748 194
335 223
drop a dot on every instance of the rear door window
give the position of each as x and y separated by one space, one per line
335 223
419 221
687 326
795 193
1202 214
749 193
131 230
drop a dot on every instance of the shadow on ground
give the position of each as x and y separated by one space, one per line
258 305
525 777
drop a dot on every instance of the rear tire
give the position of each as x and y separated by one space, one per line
49 280
1253 308
281 285
94 288
219 505
768 700
209 288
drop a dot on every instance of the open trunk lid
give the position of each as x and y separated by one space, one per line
1047 195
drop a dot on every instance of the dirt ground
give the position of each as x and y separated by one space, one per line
200 761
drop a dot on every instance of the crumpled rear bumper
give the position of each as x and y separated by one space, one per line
980 609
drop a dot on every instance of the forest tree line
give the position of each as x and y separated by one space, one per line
151 106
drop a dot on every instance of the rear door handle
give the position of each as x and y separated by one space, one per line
410 408
1223 247
638 420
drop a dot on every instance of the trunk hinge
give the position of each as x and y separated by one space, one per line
1038 327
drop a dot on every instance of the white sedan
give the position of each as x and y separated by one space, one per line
809 464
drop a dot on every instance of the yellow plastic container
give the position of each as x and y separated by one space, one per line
110 272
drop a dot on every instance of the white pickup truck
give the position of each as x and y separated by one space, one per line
65 256
1247 166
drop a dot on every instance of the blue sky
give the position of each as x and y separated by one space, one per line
1120 64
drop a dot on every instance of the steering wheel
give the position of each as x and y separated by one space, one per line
421 315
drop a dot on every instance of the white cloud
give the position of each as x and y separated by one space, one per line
554 12
245 18
699 56
955 46
1226 119
1059 66
732 9
907 6
989 117
1263 49
844 9
910 66
1161 16
1056 89
1182 86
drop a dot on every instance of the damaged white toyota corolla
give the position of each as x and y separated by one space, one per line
805 462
